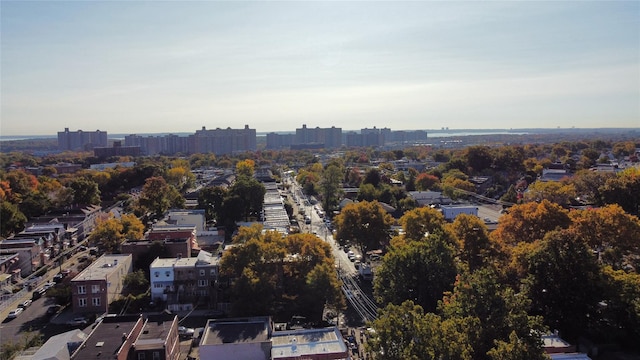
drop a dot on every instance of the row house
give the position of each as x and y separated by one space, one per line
185 282
30 254
132 337
93 289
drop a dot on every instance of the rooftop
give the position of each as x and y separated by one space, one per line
106 339
307 342
243 330
102 267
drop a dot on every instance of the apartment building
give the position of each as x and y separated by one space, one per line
93 289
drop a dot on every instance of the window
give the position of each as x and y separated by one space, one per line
95 301
157 273
95 289
203 283
158 286
156 355
82 289
202 272
82 302
167 274
140 356
212 272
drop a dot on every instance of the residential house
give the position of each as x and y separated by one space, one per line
185 282
237 338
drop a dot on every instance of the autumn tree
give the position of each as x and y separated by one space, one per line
157 197
559 192
421 221
477 249
108 234
426 181
624 190
363 224
245 168
531 221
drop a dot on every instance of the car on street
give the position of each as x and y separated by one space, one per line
25 304
48 285
14 313
37 294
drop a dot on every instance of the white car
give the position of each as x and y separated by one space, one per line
14 313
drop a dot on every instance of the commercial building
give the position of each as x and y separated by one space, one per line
93 289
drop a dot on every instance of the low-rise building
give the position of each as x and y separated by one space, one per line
184 282
239 339
93 289
310 344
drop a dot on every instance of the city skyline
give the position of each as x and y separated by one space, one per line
165 67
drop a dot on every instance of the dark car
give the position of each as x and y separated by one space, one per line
37 294
52 310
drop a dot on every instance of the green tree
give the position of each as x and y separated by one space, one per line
364 224
85 191
479 157
405 331
136 283
553 267
330 187
420 271
251 194
210 199
12 220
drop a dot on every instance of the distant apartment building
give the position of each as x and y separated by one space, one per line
31 253
277 141
328 138
184 282
81 140
93 289
154 145
116 150
223 141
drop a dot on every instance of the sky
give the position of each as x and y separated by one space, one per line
135 67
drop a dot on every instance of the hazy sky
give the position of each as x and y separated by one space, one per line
176 66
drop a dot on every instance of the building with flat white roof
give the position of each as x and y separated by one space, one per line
100 283
311 344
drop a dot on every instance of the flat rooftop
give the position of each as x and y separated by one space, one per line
327 342
102 267
249 330
106 339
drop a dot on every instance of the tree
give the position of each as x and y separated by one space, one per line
12 220
553 270
418 222
420 271
136 283
426 181
108 233
531 221
500 314
245 168
405 331
372 177
477 249
559 192
132 227
210 199
85 191
157 196
364 224
479 157
624 190
330 187
251 194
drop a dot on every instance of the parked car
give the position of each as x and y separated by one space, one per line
25 304
37 294
14 313
53 309
79 321
185 332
